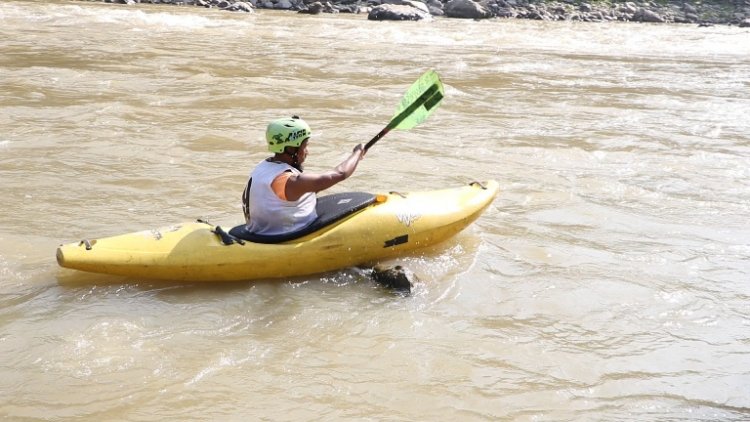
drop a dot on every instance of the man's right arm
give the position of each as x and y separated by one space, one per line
303 183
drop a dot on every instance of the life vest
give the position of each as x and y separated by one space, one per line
265 212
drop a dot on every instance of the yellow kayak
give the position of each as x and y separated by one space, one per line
355 229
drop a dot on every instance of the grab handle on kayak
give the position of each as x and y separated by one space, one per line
480 184
87 243
226 238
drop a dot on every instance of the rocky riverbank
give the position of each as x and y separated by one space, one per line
732 12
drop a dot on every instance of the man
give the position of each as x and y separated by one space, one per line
279 198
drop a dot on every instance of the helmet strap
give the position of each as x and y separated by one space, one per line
295 162
295 159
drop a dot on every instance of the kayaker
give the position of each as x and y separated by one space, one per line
279 197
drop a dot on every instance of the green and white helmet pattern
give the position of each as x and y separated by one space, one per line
286 132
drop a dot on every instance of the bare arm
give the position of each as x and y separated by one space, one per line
303 183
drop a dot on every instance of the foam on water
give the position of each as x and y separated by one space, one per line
160 20
177 19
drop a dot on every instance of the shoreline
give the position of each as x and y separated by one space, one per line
718 12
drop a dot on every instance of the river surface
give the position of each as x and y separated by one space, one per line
610 279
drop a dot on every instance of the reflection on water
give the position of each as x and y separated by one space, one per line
608 280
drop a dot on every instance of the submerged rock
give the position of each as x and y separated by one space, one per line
394 278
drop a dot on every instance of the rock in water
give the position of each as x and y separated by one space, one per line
466 9
394 278
397 12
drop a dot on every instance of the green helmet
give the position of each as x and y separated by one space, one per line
286 132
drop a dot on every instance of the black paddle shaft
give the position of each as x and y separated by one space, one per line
430 98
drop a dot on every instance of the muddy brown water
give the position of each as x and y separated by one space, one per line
609 280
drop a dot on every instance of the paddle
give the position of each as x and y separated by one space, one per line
421 100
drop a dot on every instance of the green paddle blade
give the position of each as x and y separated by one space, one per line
421 100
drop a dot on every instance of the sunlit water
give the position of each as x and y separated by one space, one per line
610 280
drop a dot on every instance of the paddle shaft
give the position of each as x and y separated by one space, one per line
429 99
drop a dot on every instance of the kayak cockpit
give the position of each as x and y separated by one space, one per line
330 209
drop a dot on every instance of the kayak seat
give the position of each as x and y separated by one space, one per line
330 209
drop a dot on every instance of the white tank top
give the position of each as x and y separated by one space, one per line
270 215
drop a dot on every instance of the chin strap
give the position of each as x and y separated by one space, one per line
295 162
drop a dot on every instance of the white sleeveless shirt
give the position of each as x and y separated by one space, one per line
270 215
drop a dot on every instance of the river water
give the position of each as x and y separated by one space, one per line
610 279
